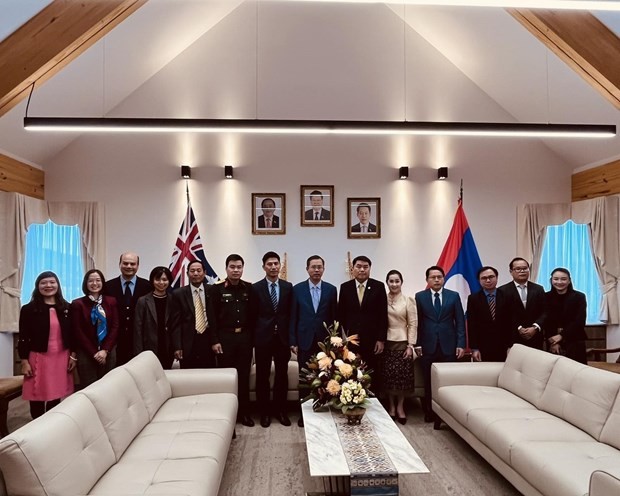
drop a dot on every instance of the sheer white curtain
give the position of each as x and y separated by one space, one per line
602 216
17 212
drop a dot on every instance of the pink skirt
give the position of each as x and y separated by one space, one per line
50 378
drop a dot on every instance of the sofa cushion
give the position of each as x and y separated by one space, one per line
571 396
610 434
152 383
526 372
119 406
63 452
562 468
197 476
216 406
460 401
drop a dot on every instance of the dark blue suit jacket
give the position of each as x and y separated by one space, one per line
448 328
264 317
306 324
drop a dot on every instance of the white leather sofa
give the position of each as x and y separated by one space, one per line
137 431
549 425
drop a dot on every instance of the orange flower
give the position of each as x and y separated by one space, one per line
354 339
325 363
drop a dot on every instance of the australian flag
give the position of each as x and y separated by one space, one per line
459 258
188 248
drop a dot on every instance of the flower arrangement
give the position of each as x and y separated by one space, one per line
336 375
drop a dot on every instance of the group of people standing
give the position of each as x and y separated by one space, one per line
225 324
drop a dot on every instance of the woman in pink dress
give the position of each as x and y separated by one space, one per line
45 346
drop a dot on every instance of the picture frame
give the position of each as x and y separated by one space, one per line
363 218
316 206
268 208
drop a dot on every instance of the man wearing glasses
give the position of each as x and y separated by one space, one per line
488 336
525 306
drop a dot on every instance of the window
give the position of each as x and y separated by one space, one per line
568 246
56 248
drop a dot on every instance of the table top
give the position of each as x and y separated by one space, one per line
325 453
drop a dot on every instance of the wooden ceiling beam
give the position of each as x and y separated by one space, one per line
51 39
21 178
583 42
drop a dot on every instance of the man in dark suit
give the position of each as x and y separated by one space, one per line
364 225
488 336
268 220
270 302
190 327
362 310
317 212
314 303
525 306
126 288
441 329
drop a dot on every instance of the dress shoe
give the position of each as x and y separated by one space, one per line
402 420
283 419
429 417
247 421
265 421
300 421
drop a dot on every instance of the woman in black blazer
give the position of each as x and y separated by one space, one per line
45 346
95 326
152 318
566 317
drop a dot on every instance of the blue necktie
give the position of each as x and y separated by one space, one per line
437 304
316 296
274 297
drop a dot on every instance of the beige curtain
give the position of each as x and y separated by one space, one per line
17 212
603 217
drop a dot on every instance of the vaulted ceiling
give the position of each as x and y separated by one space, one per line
301 60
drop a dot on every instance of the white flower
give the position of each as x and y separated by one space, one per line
338 363
359 374
320 355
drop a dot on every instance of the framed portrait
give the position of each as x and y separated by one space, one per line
268 213
363 218
317 206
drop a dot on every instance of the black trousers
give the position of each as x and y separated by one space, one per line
427 360
237 353
38 408
280 353
200 356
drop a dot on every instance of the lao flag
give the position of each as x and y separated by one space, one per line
459 258
188 248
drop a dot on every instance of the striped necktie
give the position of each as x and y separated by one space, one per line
491 299
199 309
274 297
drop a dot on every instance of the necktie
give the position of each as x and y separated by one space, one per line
199 309
267 222
316 296
360 293
364 229
127 293
274 296
492 305
437 304
523 292
316 216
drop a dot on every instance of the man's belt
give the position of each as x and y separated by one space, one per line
236 330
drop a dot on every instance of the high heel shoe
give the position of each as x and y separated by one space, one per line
402 420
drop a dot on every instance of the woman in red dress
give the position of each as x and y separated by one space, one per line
45 346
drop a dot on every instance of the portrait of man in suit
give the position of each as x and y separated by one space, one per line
314 206
268 213
362 310
126 288
525 306
364 218
441 329
270 310
314 303
486 324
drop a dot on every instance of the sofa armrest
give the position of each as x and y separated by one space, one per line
465 373
188 382
603 483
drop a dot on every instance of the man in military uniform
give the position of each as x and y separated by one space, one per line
230 332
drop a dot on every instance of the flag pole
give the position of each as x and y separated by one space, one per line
461 193
187 189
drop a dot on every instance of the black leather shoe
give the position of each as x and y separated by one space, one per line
300 421
283 419
247 421
265 421
402 420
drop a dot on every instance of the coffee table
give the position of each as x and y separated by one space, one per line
326 452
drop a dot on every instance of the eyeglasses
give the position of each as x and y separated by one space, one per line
487 278
520 269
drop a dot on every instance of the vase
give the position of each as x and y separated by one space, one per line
354 416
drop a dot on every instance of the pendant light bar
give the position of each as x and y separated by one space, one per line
610 5
148 125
